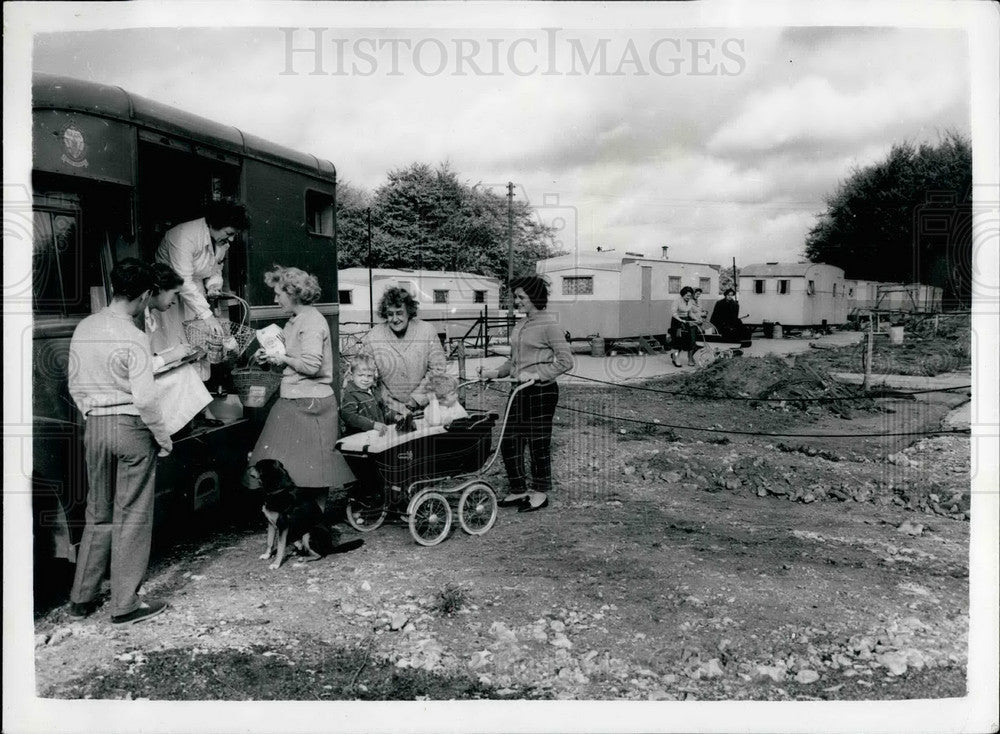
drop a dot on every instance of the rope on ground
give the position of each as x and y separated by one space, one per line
827 398
733 431
941 432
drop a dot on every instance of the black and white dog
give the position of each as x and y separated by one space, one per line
291 518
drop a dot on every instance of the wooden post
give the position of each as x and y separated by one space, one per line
866 385
460 353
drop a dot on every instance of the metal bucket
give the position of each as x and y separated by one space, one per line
596 346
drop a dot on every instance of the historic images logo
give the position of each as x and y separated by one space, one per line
74 147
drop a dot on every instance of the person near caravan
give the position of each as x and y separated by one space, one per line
196 250
406 350
539 352
113 386
361 404
302 426
684 319
181 392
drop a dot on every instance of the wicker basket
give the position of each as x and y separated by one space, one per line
200 335
255 386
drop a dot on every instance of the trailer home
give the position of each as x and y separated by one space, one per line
450 301
793 294
621 295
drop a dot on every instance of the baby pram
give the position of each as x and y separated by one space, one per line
424 471
710 345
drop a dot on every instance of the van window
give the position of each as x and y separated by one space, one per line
783 287
60 282
705 284
319 213
673 284
479 296
346 297
440 296
758 286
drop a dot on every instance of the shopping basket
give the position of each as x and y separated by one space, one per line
236 337
255 386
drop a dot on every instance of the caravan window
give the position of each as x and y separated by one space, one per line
834 290
319 213
705 284
58 268
811 287
479 296
346 297
673 284
582 285
783 287
758 286
440 296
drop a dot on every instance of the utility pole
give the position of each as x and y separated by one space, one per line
510 256
371 292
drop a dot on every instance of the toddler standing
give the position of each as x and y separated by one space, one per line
361 405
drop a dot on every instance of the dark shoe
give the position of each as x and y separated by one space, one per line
141 614
82 609
513 500
528 507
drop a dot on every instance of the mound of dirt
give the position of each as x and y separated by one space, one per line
777 383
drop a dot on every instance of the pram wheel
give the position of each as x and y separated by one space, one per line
366 516
430 518
477 508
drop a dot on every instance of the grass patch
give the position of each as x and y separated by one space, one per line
319 672
450 600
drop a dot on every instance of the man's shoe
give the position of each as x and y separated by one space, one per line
528 507
141 614
513 500
82 609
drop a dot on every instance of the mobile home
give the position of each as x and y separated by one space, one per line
793 294
113 171
449 300
621 295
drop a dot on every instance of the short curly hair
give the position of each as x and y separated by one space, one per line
297 283
687 289
394 298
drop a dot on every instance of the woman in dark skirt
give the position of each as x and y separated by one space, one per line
302 427
538 351
683 322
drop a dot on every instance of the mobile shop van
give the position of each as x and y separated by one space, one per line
112 172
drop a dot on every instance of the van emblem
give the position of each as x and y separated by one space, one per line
74 147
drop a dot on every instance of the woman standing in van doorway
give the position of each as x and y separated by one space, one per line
538 351
302 427
196 250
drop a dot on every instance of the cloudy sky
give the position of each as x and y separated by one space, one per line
630 132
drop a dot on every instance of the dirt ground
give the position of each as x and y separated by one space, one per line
672 564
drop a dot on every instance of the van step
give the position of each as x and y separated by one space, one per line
650 345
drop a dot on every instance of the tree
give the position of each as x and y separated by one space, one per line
426 218
906 218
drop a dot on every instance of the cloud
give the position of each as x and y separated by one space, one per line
813 110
